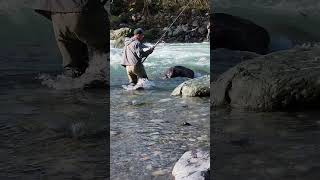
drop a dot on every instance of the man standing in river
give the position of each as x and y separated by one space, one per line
133 54
80 28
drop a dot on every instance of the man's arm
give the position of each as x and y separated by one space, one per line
139 51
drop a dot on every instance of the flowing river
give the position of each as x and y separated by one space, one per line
148 134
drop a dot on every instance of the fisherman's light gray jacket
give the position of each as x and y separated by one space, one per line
133 52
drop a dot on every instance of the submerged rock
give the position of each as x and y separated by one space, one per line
235 33
198 87
193 165
178 71
281 80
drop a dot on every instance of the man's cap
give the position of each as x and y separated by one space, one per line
138 31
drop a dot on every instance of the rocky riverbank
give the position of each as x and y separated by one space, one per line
191 26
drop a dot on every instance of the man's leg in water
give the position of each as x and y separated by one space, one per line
74 52
133 79
92 29
139 71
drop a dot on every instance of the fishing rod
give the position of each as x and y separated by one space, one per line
164 34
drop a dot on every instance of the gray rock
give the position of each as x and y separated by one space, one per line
119 35
185 27
195 23
119 43
281 80
193 165
177 31
122 32
198 87
202 30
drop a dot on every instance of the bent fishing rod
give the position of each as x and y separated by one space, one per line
164 34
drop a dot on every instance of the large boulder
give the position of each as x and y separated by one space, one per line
198 87
178 71
235 33
277 81
122 32
119 35
223 59
119 43
193 165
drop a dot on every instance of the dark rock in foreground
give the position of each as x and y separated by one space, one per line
178 71
235 33
278 81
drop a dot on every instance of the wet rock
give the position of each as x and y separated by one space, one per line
224 59
186 124
235 33
193 165
198 87
178 71
281 80
159 172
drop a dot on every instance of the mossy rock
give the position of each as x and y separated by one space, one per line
122 32
119 43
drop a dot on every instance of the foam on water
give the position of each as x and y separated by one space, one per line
145 83
96 74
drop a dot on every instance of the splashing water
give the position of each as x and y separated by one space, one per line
95 74
142 83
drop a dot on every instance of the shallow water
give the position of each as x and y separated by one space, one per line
148 134
45 132
277 145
